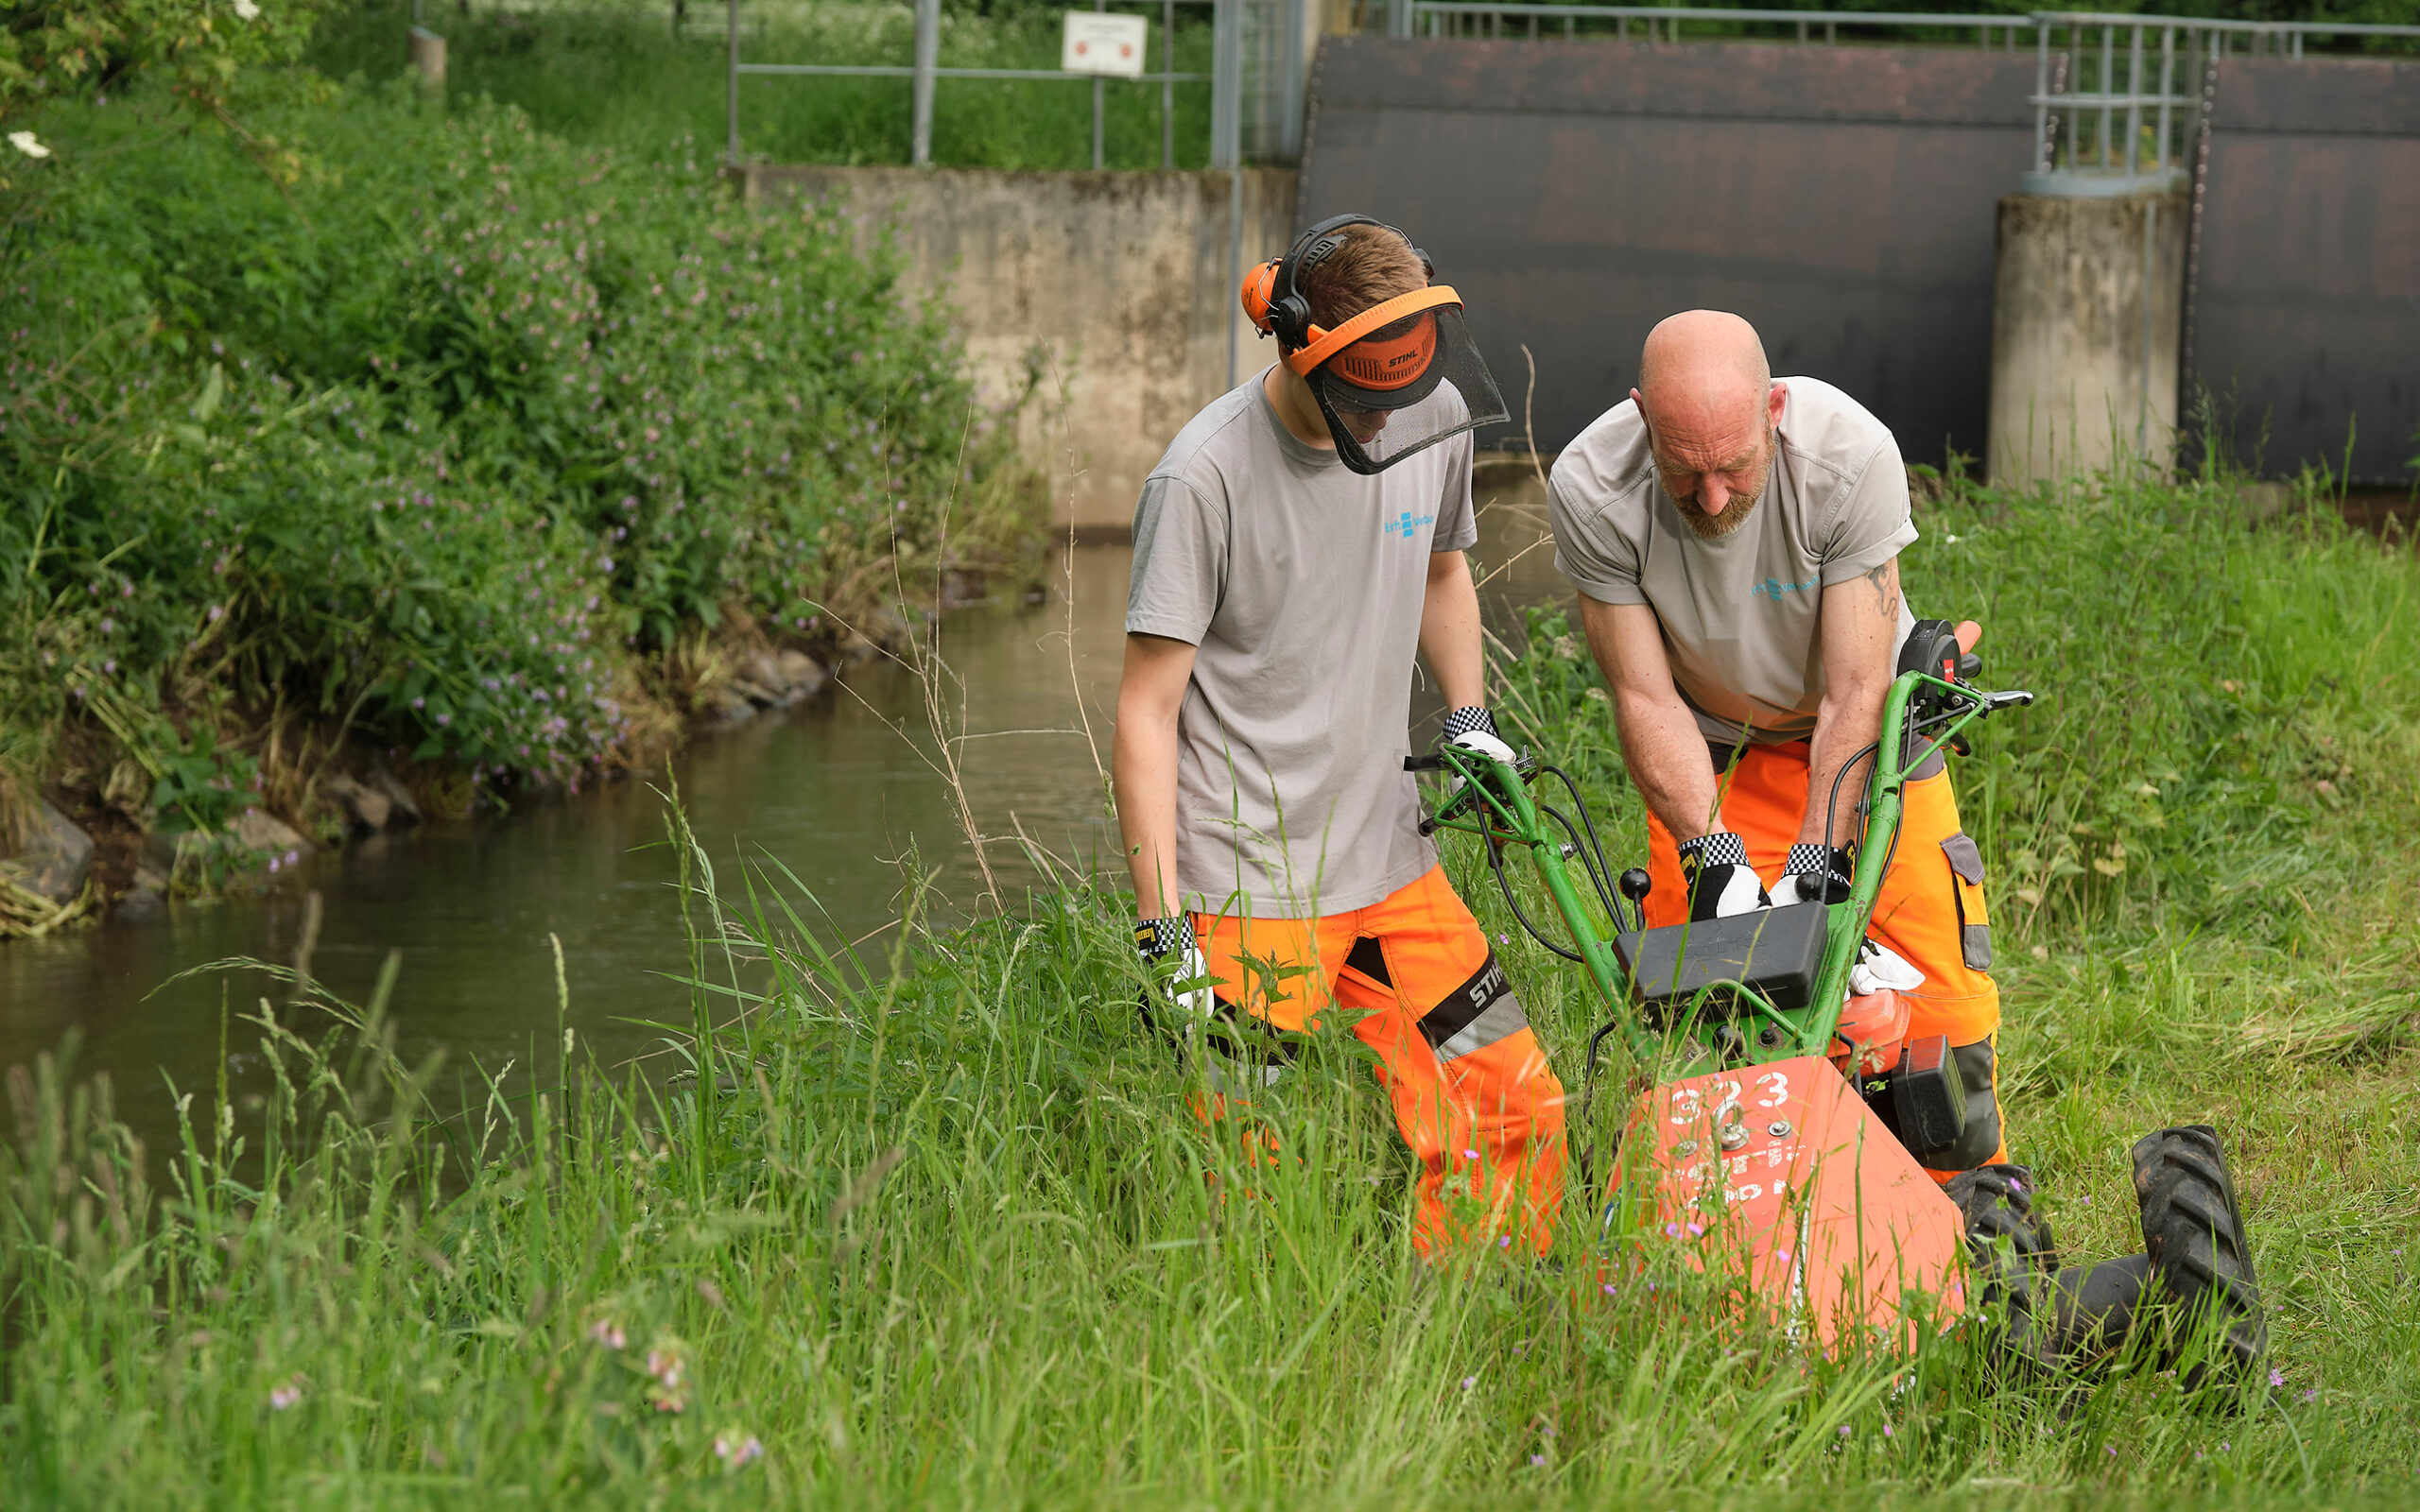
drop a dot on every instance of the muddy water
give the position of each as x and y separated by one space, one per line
841 791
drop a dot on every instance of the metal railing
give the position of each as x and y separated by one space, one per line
1487 19
2119 132
1225 81
2080 145
2100 126
1479 18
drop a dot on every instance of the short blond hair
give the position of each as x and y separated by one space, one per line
1373 265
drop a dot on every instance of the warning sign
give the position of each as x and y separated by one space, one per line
1098 43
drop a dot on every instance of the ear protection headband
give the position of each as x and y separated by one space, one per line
1273 299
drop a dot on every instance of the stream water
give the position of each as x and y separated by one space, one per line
841 791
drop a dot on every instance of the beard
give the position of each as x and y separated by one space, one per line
1734 514
1714 526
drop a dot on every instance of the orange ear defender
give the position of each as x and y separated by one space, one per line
1260 291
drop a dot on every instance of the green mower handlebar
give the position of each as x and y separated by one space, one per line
1921 714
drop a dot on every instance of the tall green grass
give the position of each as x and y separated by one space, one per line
622 75
932 1226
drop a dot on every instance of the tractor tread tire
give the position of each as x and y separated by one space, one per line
1996 1202
2193 1233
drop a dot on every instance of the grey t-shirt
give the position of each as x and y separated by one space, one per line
1739 613
1300 582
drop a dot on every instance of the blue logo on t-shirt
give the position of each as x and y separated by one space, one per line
1773 588
1407 524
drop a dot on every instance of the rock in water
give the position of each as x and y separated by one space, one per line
366 809
763 670
145 899
256 831
55 857
802 674
401 806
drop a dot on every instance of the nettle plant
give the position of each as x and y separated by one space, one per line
727 399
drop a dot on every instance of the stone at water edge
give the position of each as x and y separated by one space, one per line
55 858
763 669
402 807
256 831
145 899
803 673
366 809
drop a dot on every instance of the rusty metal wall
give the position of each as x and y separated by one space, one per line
1842 198
2307 292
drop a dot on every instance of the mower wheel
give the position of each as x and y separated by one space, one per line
1997 1204
2193 1233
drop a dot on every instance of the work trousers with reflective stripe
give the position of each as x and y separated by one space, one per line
1472 1091
1930 911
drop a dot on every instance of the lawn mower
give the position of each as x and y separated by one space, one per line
1755 1143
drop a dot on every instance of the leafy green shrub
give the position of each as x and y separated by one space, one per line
448 436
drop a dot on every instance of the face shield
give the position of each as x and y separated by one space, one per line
1398 378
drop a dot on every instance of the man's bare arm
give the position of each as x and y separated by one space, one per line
1661 742
1142 765
1449 634
1859 630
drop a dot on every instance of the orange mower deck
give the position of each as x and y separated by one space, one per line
1780 1176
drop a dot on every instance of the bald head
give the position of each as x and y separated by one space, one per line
1711 405
1702 360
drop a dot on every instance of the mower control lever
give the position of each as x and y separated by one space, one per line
1635 884
2013 698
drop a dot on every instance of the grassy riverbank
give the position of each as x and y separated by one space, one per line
372 427
934 1229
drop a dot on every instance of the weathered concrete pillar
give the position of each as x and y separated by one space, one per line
2086 324
1117 285
428 58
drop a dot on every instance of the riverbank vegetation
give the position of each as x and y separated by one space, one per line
358 428
930 1224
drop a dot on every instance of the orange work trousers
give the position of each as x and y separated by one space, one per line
1472 1092
1930 911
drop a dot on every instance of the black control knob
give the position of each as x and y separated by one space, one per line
1635 885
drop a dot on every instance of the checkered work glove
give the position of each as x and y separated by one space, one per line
1715 871
1180 975
1474 728
1815 873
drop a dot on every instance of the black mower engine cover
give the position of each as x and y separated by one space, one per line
1777 952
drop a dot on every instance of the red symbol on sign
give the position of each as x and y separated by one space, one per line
1083 47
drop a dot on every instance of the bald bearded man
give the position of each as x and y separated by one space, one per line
1734 540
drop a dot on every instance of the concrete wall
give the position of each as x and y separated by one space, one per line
1122 279
2086 321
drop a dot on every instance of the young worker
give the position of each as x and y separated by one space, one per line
1735 539
1301 540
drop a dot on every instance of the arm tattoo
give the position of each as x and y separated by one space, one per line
1885 579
